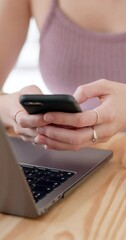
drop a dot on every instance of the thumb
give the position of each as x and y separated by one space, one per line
98 88
32 89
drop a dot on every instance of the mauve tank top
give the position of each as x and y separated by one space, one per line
71 56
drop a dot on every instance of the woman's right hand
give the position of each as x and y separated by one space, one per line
24 125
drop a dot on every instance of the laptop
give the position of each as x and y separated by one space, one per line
33 179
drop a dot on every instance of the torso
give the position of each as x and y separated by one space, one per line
101 16
81 41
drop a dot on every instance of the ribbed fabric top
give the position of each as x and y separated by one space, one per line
71 56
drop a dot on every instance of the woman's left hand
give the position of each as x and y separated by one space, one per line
93 126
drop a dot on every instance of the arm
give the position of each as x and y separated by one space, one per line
14 22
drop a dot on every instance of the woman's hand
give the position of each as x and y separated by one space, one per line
25 125
89 126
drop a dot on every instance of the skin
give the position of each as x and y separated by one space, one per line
101 16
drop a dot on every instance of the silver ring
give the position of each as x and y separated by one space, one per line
97 116
94 137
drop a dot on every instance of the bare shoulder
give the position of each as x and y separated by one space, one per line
39 10
15 13
13 10
12 5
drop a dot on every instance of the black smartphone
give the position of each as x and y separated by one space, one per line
38 103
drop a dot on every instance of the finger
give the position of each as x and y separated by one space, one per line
30 121
72 137
26 138
105 131
78 120
29 132
100 115
82 136
52 144
56 145
94 89
32 89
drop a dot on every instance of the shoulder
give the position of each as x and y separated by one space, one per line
14 8
14 3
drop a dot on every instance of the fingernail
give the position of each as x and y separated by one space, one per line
45 146
48 117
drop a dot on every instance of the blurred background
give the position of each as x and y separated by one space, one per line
26 71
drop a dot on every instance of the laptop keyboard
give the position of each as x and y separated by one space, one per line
43 180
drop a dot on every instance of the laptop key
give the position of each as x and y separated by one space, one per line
41 188
44 180
38 195
58 179
48 183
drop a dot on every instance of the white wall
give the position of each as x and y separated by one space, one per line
26 70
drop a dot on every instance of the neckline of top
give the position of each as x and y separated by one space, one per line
78 29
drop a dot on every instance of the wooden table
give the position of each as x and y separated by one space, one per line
94 211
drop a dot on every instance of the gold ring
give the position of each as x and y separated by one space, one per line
15 115
97 116
94 137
